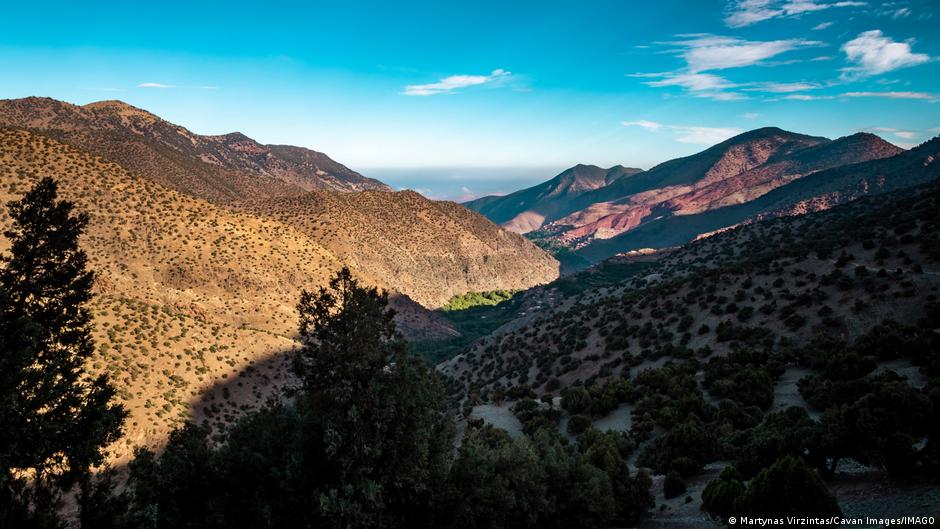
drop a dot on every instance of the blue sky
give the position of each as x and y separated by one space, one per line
464 98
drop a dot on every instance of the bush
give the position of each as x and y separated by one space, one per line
577 424
722 493
576 399
788 488
685 449
673 486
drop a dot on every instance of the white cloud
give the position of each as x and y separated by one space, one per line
722 96
935 129
704 135
804 97
705 53
712 52
454 82
689 134
155 85
750 115
822 26
905 134
904 12
896 95
782 88
695 82
873 54
648 125
747 12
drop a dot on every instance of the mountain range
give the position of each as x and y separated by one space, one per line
681 198
220 169
202 245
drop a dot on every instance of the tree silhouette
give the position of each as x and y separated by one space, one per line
55 418
381 413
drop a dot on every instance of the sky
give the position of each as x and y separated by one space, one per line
459 99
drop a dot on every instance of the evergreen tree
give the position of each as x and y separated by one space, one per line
789 487
55 418
381 413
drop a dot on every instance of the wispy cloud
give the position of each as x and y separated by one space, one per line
155 85
822 26
648 125
165 86
903 12
741 13
873 53
750 115
713 52
704 53
933 98
699 84
687 133
782 88
803 97
454 82
904 134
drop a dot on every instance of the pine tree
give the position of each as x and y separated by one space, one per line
380 411
55 418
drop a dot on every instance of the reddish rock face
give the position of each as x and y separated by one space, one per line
742 173
737 171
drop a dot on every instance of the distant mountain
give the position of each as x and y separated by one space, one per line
815 192
529 209
734 172
221 169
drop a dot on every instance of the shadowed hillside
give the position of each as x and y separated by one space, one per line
771 283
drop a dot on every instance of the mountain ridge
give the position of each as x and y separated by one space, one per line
527 209
815 192
203 166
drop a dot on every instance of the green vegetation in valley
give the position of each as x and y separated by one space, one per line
475 315
475 299
473 322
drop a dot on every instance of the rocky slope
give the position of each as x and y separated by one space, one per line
737 171
402 242
187 292
191 293
429 250
815 192
220 169
528 209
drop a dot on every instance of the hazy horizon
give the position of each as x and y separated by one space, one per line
461 184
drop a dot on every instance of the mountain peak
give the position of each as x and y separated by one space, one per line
232 137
